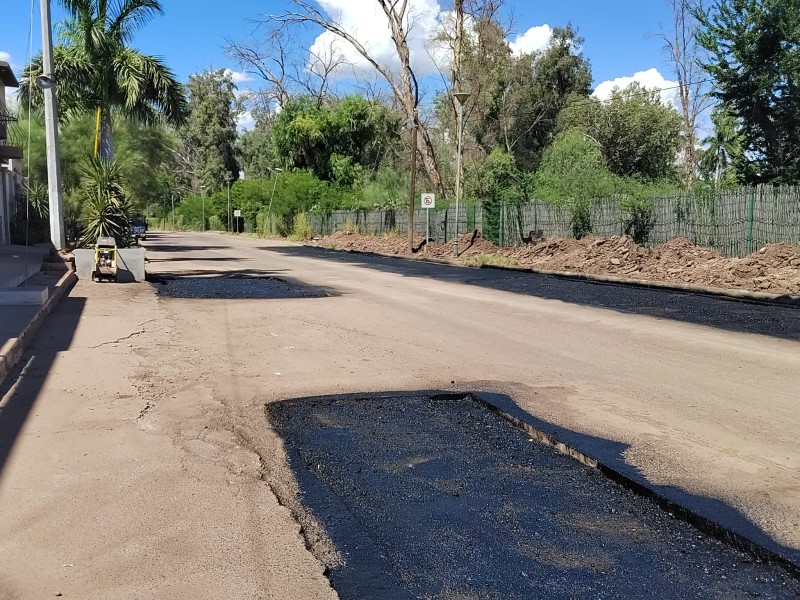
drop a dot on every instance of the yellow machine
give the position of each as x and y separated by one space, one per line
105 259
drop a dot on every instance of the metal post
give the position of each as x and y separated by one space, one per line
461 97
230 228
48 84
750 216
413 183
427 228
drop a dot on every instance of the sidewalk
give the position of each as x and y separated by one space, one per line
20 269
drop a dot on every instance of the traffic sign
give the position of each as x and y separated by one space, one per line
237 213
428 200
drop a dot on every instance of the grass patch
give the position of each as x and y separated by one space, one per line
489 260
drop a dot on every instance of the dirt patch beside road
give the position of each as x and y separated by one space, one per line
774 268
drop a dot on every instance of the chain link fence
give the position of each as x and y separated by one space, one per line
734 222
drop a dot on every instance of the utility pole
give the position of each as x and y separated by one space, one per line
462 98
413 183
47 82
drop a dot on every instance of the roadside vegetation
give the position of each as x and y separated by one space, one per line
136 143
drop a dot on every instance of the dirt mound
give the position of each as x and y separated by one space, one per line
774 268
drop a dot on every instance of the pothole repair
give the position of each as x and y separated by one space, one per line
428 496
234 287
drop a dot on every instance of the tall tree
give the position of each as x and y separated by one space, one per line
99 72
402 82
338 142
722 148
685 54
210 133
754 58
637 133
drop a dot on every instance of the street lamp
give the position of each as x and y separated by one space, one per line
269 209
461 98
202 187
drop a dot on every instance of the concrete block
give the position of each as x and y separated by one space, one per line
130 264
26 295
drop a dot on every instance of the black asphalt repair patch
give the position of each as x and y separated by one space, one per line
437 497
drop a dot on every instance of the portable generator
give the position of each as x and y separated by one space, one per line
105 259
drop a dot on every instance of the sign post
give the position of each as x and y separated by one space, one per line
428 202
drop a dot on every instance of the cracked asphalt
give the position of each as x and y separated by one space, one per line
142 415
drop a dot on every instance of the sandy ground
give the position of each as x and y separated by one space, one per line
145 468
773 269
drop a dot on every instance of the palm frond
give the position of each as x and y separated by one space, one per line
143 79
130 15
77 7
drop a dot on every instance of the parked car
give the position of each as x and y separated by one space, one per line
139 229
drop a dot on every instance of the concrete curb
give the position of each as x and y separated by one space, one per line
741 295
12 350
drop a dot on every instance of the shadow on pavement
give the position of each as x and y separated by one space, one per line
432 495
192 259
729 314
21 388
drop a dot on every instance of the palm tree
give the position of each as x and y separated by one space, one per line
723 146
98 72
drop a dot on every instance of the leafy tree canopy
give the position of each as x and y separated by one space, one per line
97 69
338 142
210 134
754 48
634 131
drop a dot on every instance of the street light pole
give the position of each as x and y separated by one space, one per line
202 187
47 82
461 98
269 209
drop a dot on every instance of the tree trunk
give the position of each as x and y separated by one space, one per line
106 137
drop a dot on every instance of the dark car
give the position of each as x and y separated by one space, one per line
139 229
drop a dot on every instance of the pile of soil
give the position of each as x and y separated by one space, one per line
774 269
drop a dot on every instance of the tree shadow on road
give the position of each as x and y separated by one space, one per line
740 316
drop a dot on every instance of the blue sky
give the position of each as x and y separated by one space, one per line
191 34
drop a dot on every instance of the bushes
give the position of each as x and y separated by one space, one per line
106 206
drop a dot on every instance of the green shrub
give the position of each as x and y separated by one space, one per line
106 208
302 227
215 223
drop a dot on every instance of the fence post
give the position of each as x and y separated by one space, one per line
750 212
502 223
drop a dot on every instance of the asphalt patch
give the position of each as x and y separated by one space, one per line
437 497
234 288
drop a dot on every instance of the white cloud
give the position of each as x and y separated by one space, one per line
651 79
245 122
425 22
535 39
5 57
239 76
365 20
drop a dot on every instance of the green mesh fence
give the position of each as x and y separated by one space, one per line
734 222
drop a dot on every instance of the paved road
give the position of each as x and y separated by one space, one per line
704 412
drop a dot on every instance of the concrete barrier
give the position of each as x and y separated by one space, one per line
130 264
